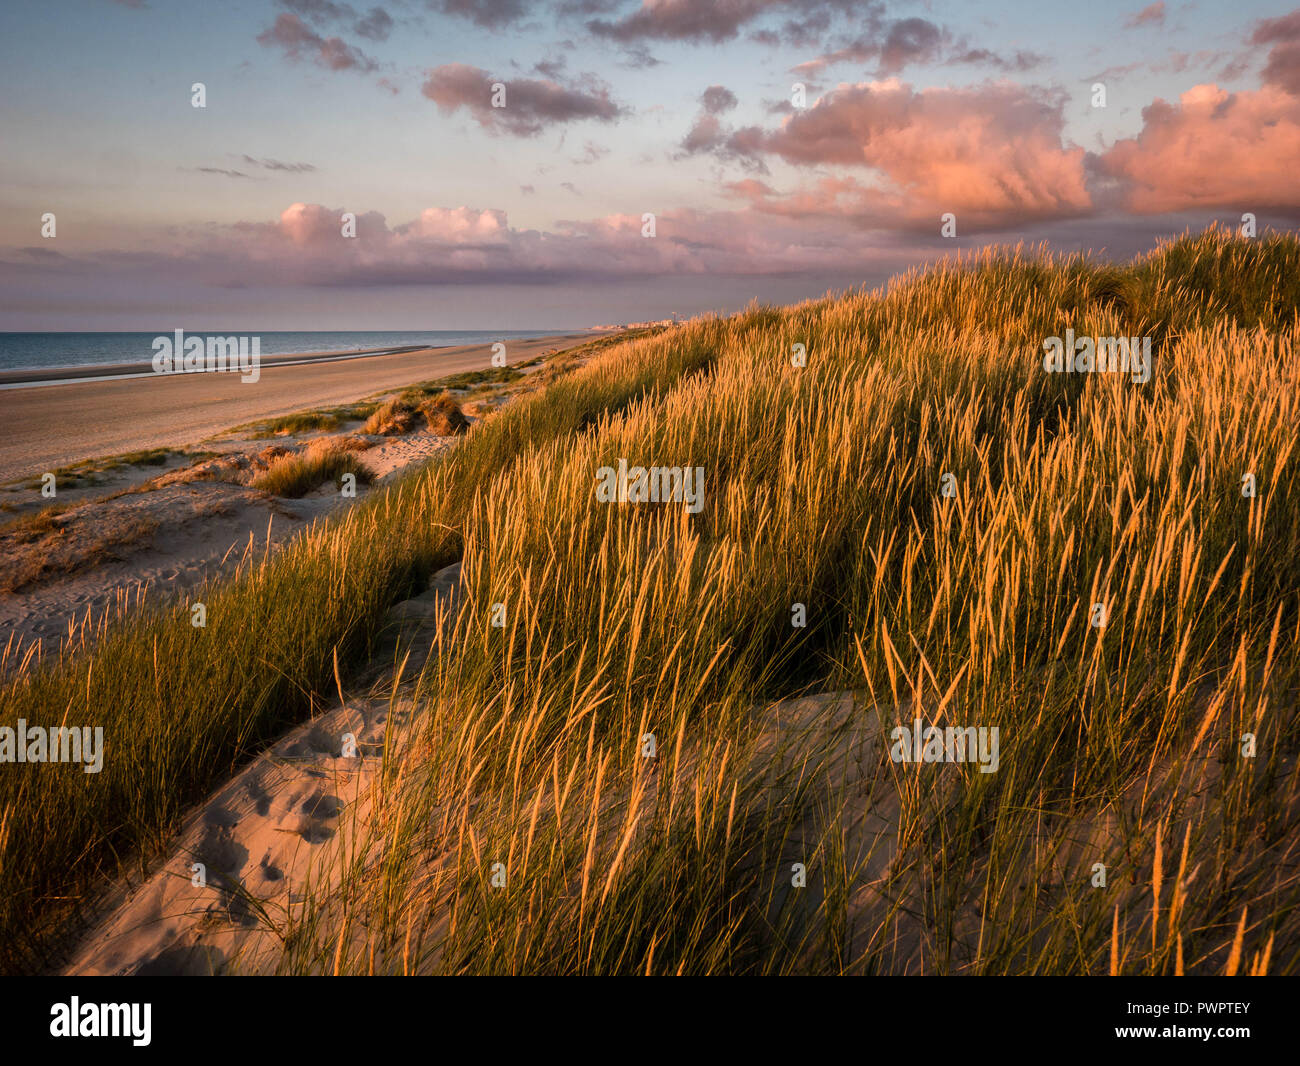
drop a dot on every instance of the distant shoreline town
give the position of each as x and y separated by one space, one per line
640 325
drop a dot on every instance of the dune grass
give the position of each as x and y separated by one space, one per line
31 527
468 379
824 487
92 471
394 416
443 415
322 419
293 476
181 707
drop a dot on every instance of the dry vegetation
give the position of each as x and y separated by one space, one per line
1119 745
323 463
51 543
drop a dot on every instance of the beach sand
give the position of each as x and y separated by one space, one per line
49 426
152 526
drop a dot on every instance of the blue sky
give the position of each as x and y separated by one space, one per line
531 217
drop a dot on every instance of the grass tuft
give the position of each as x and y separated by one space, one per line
293 476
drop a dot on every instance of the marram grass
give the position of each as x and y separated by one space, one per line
1121 744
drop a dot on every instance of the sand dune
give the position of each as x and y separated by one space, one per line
282 827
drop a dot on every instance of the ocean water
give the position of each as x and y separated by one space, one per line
37 351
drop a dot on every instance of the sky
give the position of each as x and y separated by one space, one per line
784 149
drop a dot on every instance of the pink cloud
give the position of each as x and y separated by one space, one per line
305 247
1152 14
1212 149
298 39
311 224
992 154
530 105
461 225
720 20
1283 69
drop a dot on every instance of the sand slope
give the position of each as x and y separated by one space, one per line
283 827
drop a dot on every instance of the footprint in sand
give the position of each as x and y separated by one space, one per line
317 811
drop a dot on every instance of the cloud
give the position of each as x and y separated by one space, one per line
224 173
706 135
637 57
377 25
909 41
586 8
591 153
550 68
304 224
298 39
320 11
530 105
1211 149
463 226
722 20
491 14
742 146
891 46
767 235
304 248
992 154
275 164
1176 62
1018 61
860 50
717 99
1151 15
1283 68
682 20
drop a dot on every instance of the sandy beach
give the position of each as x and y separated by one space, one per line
52 425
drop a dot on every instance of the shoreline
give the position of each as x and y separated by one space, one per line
52 425
31 377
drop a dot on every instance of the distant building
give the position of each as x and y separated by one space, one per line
639 325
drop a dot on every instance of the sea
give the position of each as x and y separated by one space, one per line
38 351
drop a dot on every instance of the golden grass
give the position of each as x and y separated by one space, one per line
394 417
1119 744
444 416
295 475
